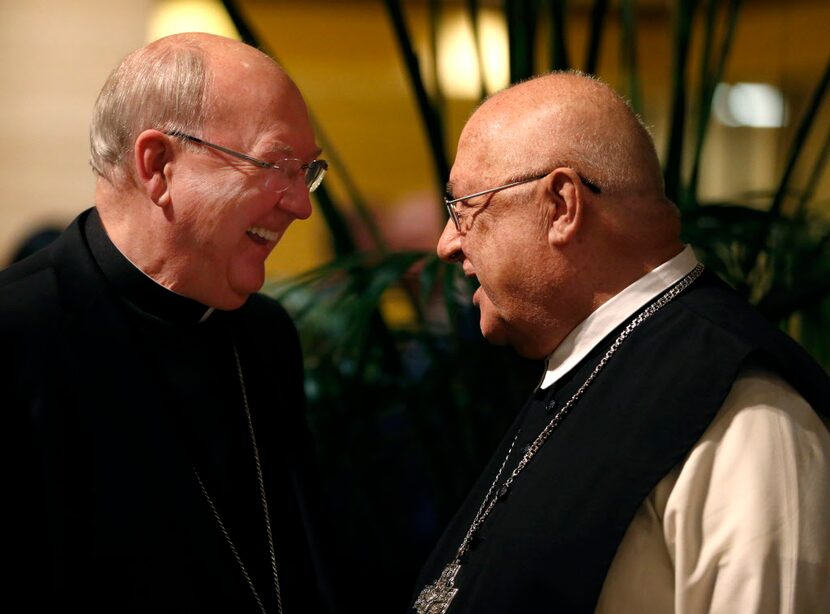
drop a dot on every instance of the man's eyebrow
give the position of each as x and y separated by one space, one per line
448 189
277 147
288 151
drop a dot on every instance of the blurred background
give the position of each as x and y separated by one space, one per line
345 58
406 401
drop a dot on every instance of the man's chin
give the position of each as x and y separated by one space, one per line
497 332
493 330
245 283
233 297
494 339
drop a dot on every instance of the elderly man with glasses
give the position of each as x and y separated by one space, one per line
161 459
673 457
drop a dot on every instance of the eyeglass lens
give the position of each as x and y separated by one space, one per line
285 172
453 214
314 172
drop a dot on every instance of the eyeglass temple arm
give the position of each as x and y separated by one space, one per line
452 201
230 152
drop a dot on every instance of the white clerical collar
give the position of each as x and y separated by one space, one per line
608 316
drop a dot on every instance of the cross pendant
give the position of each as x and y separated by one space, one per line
436 597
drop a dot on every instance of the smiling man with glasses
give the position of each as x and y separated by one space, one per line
285 170
161 455
672 458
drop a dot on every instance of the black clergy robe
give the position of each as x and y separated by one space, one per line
547 546
115 392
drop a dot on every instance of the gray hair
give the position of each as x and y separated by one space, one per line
162 86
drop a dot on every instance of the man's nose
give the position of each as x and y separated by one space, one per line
296 200
449 244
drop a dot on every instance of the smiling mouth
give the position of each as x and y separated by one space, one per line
262 236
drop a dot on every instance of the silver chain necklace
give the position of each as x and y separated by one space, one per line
436 598
263 501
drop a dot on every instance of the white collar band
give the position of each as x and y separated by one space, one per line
608 316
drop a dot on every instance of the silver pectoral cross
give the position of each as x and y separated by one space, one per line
436 597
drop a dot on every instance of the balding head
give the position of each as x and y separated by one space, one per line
193 140
576 121
569 119
176 83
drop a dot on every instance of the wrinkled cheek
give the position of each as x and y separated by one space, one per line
212 215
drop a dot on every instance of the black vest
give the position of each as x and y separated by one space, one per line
548 546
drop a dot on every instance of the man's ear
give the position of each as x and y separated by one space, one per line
153 152
565 200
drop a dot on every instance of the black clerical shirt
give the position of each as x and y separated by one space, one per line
116 392
192 347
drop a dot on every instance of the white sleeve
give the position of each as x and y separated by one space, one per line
743 524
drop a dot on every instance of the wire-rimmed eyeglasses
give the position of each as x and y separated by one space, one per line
286 170
450 203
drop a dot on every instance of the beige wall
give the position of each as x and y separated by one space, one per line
55 57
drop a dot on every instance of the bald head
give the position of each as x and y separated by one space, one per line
573 120
176 83
576 121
